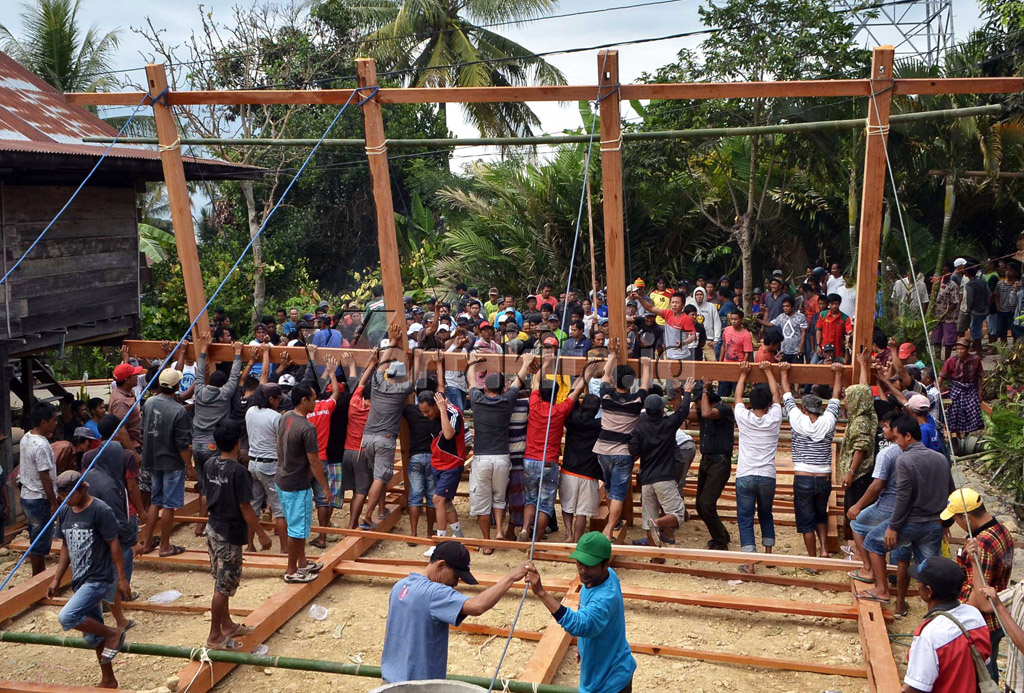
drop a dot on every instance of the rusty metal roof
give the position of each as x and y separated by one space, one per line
35 118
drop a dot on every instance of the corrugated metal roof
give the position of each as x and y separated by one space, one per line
35 118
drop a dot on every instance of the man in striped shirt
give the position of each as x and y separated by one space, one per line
813 426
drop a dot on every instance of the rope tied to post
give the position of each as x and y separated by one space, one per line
176 144
882 130
160 98
614 145
381 148
202 655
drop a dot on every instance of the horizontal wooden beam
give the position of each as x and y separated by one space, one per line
157 608
553 644
26 593
41 687
506 363
883 676
695 91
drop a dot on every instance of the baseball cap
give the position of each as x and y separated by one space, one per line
906 349
919 403
554 316
417 310
777 273
486 324
444 326
463 320
414 328
126 370
456 557
961 502
67 480
385 343
322 304
550 341
631 288
493 290
396 369
654 404
959 262
813 404
286 380
941 574
829 347
169 377
84 432
592 548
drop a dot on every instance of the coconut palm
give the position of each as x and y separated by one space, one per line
53 46
443 43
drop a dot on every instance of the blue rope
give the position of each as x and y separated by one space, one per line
78 190
177 346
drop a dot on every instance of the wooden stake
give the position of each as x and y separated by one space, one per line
872 199
180 204
551 649
611 188
377 153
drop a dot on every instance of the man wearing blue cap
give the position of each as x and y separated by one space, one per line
606 663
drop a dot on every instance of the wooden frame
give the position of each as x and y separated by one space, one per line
553 643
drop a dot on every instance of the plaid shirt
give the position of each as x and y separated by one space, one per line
947 302
1015 662
995 549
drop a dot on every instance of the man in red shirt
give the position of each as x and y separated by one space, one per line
447 455
940 655
833 326
543 448
356 468
320 417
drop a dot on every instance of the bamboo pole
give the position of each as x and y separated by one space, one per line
654 135
294 663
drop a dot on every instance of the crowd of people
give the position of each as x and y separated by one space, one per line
295 441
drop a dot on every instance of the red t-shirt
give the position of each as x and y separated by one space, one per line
320 417
551 300
537 424
765 355
735 344
834 329
358 411
450 453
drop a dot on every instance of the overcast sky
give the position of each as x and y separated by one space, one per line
180 17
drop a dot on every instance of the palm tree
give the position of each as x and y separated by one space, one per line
54 47
442 43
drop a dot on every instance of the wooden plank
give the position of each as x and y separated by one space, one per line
872 199
695 90
611 192
509 363
27 592
705 655
883 676
276 611
39 687
387 241
157 608
547 657
180 204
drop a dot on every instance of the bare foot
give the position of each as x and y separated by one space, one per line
107 683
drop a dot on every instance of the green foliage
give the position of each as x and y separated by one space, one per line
53 46
81 361
1003 442
154 242
1007 378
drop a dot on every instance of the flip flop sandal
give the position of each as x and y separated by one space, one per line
128 626
154 544
134 596
382 516
367 526
229 644
299 576
868 597
642 542
109 653
319 543
855 575
901 614
312 567
665 540
242 630
175 550
487 551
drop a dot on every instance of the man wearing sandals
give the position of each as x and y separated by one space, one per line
88 528
297 457
231 519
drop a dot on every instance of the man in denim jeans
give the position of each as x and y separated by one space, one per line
422 431
922 482
620 410
543 447
38 477
755 466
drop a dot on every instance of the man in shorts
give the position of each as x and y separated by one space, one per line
447 459
356 470
391 386
261 420
167 454
231 519
88 529
298 459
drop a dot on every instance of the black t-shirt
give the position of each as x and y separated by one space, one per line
654 442
581 432
106 488
228 484
87 535
422 430
716 435
490 420
296 439
339 427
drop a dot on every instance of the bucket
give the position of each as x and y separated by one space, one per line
433 686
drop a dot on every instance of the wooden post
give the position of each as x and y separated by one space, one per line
180 203
611 183
377 154
872 199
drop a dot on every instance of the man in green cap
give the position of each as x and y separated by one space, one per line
606 663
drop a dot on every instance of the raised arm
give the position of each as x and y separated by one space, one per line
446 424
609 367
784 375
741 382
524 369
706 410
897 363
837 384
646 372
766 367
371 365
864 357
265 371
332 368
648 306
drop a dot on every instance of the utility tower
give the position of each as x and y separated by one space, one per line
921 29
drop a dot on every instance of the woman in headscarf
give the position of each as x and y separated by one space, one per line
965 373
857 454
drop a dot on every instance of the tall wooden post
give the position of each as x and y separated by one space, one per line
611 183
872 199
377 153
178 199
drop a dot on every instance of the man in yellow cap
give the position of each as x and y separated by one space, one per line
992 545
606 663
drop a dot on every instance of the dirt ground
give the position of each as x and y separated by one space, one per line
357 608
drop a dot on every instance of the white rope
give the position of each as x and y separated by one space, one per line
617 142
204 658
170 147
930 350
381 148
882 130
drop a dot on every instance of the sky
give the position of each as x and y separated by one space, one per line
180 17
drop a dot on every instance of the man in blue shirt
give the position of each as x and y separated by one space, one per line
606 663
423 605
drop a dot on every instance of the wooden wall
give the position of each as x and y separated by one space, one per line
83 276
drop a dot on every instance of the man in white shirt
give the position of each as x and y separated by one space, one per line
38 478
755 468
835 279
